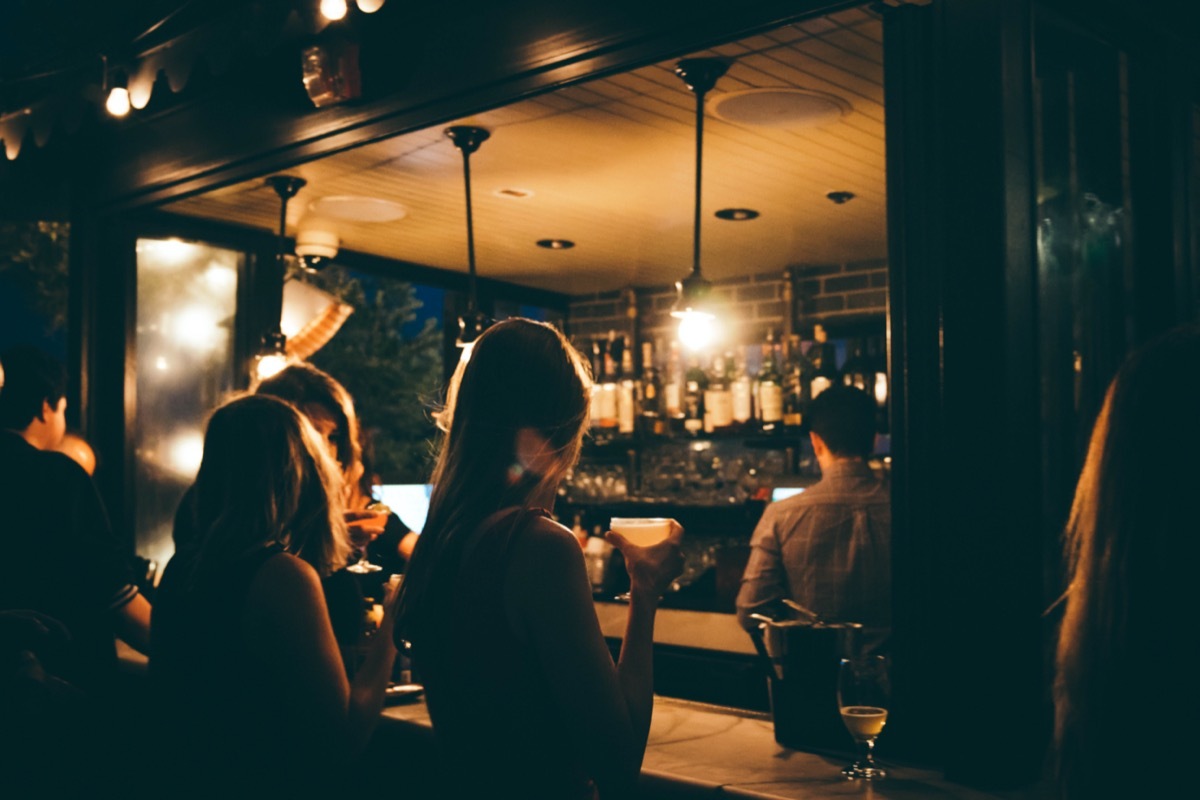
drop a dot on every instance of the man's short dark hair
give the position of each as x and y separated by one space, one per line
31 377
844 418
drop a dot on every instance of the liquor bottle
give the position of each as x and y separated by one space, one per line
693 397
795 380
608 385
743 392
626 393
718 397
599 347
770 388
650 399
857 372
673 384
824 363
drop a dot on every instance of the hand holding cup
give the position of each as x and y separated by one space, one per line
653 556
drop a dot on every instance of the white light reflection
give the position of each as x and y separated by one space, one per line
165 252
161 364
184 453
221 279
197 328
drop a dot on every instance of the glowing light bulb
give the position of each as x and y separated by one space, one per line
118 101
697 330
333 10
370 6
270 365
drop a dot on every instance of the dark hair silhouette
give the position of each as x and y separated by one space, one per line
30 377
1123 691
844 418
521 374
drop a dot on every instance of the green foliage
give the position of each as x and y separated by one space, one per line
394 380
34 255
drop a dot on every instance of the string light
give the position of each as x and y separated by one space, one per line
370 6
118 95
333 10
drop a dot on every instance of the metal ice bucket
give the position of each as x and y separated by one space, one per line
803 657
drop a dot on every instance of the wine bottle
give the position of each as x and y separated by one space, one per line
673 384
650 398
794 383
608 384
626 393
718 397
743 406
770 388
693 397
824 363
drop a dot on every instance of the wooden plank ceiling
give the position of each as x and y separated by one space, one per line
610 165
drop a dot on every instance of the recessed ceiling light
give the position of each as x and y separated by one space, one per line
841 197
353 208
737 214
513 193
555 244
781 107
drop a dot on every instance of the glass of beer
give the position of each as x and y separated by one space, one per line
640 531
863 692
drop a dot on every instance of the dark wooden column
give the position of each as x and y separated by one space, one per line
970 684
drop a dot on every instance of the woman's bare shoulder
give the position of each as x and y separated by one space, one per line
285 578
543 533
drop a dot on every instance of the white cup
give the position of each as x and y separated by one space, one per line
642 531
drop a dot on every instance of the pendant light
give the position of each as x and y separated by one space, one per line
272 355
467 139
691 304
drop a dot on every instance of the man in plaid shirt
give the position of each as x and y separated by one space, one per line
829 548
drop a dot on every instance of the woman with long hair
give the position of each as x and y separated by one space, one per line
1125 690
522 689
252 685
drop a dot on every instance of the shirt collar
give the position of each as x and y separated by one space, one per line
848 468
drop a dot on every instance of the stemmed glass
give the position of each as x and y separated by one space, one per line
378 518
863 693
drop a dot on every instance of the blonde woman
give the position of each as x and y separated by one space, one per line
523 692
252 685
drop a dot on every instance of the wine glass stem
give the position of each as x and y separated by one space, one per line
868 749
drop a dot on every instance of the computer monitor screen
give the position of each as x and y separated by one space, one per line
784 492
410 501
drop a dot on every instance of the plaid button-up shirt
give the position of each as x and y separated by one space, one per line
829 549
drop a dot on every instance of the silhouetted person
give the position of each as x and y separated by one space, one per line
522 689
1126 688
60 557
829 547
253 696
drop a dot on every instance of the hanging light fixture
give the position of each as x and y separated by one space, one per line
691 303
467 139
272 356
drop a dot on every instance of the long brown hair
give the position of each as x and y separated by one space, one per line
266 478
1121 691
520 374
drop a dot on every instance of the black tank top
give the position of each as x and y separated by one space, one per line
498 728
222 722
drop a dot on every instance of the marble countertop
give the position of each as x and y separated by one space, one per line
702 750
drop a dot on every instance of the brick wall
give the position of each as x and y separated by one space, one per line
752 304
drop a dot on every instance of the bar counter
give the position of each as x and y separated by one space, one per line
703 751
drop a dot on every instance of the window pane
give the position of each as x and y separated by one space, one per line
186 300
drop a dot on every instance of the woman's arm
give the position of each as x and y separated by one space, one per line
287 630
549 603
